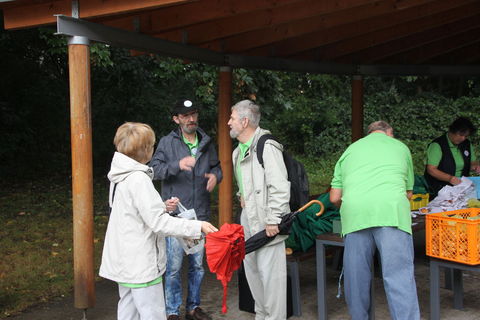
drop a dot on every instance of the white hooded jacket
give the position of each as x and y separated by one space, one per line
134 247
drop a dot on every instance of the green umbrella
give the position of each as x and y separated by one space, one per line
308 225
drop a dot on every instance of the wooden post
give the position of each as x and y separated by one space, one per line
82 174
357 107
225 193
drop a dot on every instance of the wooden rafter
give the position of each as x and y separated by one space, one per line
28 14
382 51
467 54
440 47
185 15
297 29
430 22
260 19
349 29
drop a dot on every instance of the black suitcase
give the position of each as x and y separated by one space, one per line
245 299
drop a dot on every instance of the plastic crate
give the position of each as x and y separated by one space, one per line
476 181
452 236
418 201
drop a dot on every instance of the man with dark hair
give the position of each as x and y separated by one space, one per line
451 156
187 163
372 183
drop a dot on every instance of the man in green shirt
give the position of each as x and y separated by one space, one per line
372 183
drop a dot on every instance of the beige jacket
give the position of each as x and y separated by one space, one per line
266 191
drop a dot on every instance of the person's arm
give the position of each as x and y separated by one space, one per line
276 179
474 165
336 190
410 174
336 197
442 176
215 175
163 166
215 166
153 211
434 156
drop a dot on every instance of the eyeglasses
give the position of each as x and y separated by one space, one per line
193 114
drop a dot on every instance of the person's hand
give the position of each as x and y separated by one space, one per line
187 163
212 181
207 227
272 230
171 204
454 180
476 169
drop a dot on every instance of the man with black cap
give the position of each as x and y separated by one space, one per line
187 164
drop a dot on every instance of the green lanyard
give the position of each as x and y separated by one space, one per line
192 146
243 151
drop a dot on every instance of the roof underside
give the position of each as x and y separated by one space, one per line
353 35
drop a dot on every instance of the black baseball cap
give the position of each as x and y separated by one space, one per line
184 106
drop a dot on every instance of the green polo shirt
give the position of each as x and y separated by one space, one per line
434 156
141 285
374 174
241 155
192 146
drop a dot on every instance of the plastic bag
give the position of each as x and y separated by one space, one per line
190 245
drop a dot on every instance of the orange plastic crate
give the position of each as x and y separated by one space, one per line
452 236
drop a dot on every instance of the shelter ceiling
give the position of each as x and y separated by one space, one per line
361 32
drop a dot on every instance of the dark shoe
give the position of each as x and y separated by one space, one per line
173 317
198 314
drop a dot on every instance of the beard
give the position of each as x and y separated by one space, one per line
190 127
234 133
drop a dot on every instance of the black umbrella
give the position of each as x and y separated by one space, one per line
260 239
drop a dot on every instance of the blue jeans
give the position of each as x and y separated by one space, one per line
396 258
173 277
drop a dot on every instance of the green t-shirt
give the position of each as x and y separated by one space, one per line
374 174
241 155
141 285
434 156
192 146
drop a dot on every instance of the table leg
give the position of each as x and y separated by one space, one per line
434 291
321 281
457 289
448 278
294 275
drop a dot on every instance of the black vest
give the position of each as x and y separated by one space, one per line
447 163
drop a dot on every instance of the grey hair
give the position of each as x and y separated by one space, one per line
379 125
249 110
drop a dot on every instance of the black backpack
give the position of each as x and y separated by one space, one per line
299 193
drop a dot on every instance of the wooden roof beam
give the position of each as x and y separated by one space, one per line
437 48
349 46
42 13
261 19
386 49
467 54
340 31
257 38
185 15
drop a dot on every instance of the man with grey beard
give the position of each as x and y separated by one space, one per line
264 193
187 164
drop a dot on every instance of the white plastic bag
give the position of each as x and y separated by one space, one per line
190 245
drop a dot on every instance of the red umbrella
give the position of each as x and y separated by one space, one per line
225 251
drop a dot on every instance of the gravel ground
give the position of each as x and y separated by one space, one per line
106 292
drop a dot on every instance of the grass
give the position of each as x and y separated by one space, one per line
36 242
